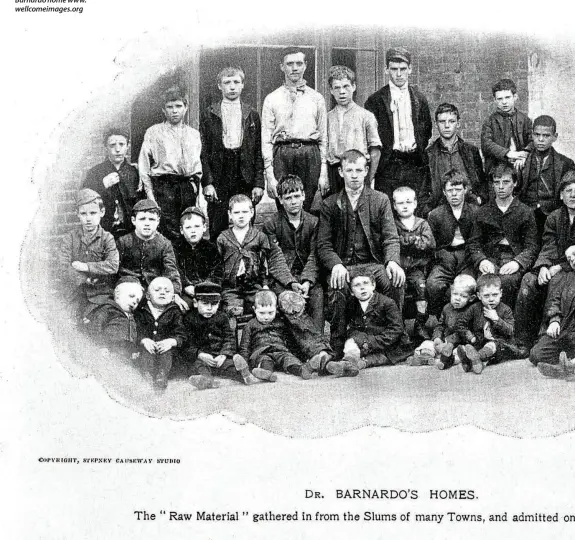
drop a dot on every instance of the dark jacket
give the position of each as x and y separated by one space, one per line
411 256
496 137
168 325
447 324
431 194
379 104
148 259
199 263
473 320
558 235
562 305
561 164
113 328
125 192
251 161
297 245
258 338
379 328
212 336
376 219
491 225
443 224
256 252
101 256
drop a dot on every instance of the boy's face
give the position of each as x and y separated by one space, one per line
116 148
241 214
128 296
460 297
146 224
231 87
447 124
505 100
353 173
342 90
398 72
504 186
543 138
193 229
160 292
293 202
570 256
90 215
265 314
568 196
362 287
404 204
293 67
455 194
206 308
174 111
490 296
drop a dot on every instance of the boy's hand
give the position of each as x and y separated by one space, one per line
553 329
395 274
165 345
519 164
323 182
181 303
110 179
509 268
80 266
190 289
272 184
149 345
220 359
339 277
257 194
490 314
210 193
486 267
419 242
305 289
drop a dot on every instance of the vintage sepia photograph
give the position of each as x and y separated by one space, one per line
366 219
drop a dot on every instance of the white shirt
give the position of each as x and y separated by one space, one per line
232 123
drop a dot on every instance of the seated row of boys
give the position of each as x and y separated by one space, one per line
483 236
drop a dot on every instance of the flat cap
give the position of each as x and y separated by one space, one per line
196 210
209 291
86 196
397 54
145 204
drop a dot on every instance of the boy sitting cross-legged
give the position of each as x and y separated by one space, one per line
491 323
212 343
375 328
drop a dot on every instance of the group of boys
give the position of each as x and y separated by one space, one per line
508 224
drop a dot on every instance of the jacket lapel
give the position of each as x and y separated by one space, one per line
386 98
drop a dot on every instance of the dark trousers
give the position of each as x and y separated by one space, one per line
303 160
231 184
173 194
401 170
532 305
154 364
448 264
509 283
415 283
547 349
272 360
337 300
239 301
227 370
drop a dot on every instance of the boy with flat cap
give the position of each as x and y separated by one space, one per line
88 258
404 125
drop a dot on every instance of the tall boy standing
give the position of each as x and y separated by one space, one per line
349 126
117 182
450 152
169 164
404 125
506 134
231 135
294 130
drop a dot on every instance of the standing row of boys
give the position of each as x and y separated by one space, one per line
510 224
